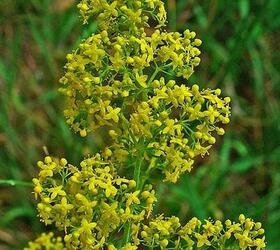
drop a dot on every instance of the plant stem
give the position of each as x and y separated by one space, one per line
137 178
154 75
127 233
137 171
15 183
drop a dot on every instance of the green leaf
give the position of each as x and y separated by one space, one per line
258 73
240 147
244 8
245 164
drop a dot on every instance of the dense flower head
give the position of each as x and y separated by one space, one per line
113 83
106 76
172 127
122 16
168 233
88 202
46 242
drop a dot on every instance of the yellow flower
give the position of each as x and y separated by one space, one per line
46 241
211 113
64 206
260 243
132 198
202 240
129 246
86 227
55 191
141 80
112 114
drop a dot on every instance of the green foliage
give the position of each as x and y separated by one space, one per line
240 55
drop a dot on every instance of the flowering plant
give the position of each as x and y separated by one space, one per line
132 83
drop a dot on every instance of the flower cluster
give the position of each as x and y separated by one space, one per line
177 124
114 80
132 82
169 233
110 82
89 202
106 76
123 16
46 242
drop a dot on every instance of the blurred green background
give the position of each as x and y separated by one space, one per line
240 55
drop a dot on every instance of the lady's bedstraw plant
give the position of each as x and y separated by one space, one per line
125 79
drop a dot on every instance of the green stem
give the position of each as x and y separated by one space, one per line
15 183
153 75
137 171
127 233
137 178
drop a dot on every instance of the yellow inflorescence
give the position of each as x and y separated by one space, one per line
132 82
169 233
46 242
89 202
106 76
110 82
178 124
123 16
